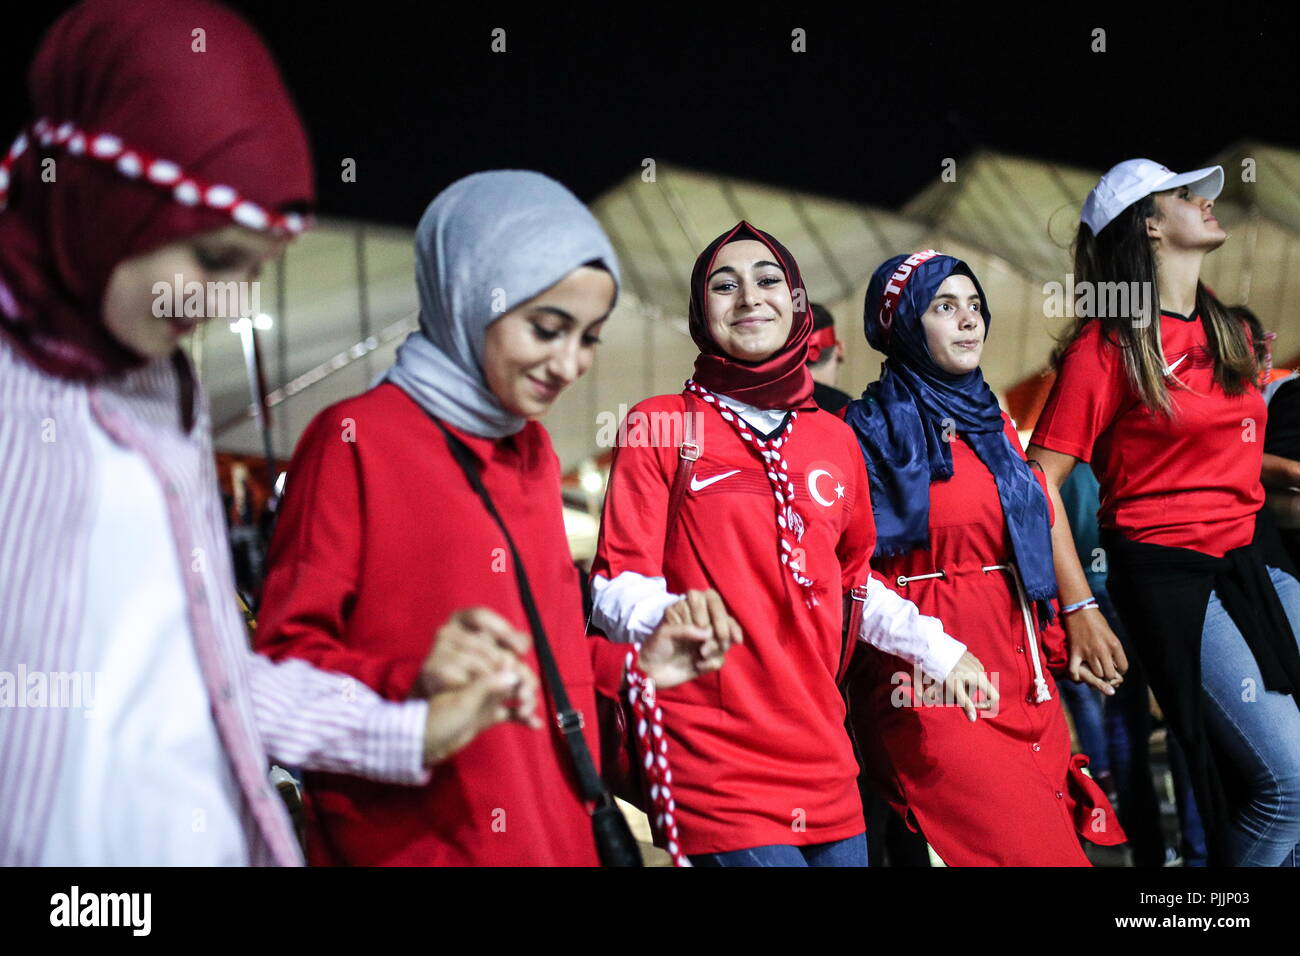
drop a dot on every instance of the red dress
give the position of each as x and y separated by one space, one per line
379 540
1005 790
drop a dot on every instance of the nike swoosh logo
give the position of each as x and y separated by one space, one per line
1169 369
696 484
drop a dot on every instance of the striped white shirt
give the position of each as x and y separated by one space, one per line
292 712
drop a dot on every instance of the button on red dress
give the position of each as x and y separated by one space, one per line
1005 790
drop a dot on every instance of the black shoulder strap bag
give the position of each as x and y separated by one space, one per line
614 840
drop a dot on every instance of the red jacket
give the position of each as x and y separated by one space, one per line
759 751
379 540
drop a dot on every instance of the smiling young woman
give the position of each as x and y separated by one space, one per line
749 302
1166 407
536 351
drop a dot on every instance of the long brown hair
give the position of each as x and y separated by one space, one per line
1122 253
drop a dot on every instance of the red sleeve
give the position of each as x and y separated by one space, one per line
1085 398
1055 644
1051 637
608 664
633 523
856 545
314 566
1013 436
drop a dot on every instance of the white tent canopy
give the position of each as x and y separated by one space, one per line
1011 218
321 311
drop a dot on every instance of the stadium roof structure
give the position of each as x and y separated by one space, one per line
343 297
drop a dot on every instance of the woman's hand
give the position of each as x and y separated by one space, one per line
1278 473
474 642
458 715
474 677
1285 506
692 639
705 609
1096 655
965 681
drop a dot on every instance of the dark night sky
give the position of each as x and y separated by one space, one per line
867 114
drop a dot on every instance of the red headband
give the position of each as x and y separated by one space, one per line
821 339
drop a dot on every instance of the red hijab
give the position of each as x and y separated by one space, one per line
129 77
781 380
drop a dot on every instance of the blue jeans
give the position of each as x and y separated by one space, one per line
1085 706
1260 729
848 852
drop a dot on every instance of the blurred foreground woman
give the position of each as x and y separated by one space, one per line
137 728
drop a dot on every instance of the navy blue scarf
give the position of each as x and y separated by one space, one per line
900 423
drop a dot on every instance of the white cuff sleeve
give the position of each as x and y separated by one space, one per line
892 623
630 607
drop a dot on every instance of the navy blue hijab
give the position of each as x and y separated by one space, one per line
899 421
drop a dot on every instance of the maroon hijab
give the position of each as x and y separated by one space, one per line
152 139
781 380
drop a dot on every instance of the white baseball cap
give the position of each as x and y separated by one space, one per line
1131 180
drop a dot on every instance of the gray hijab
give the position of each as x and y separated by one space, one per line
487 243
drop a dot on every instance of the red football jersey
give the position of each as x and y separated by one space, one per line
1190 481
759 750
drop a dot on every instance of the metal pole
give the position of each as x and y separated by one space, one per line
363 295
252 365
282 341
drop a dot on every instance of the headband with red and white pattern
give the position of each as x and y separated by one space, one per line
138 164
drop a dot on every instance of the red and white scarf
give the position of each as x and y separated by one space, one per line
649 717
790 524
